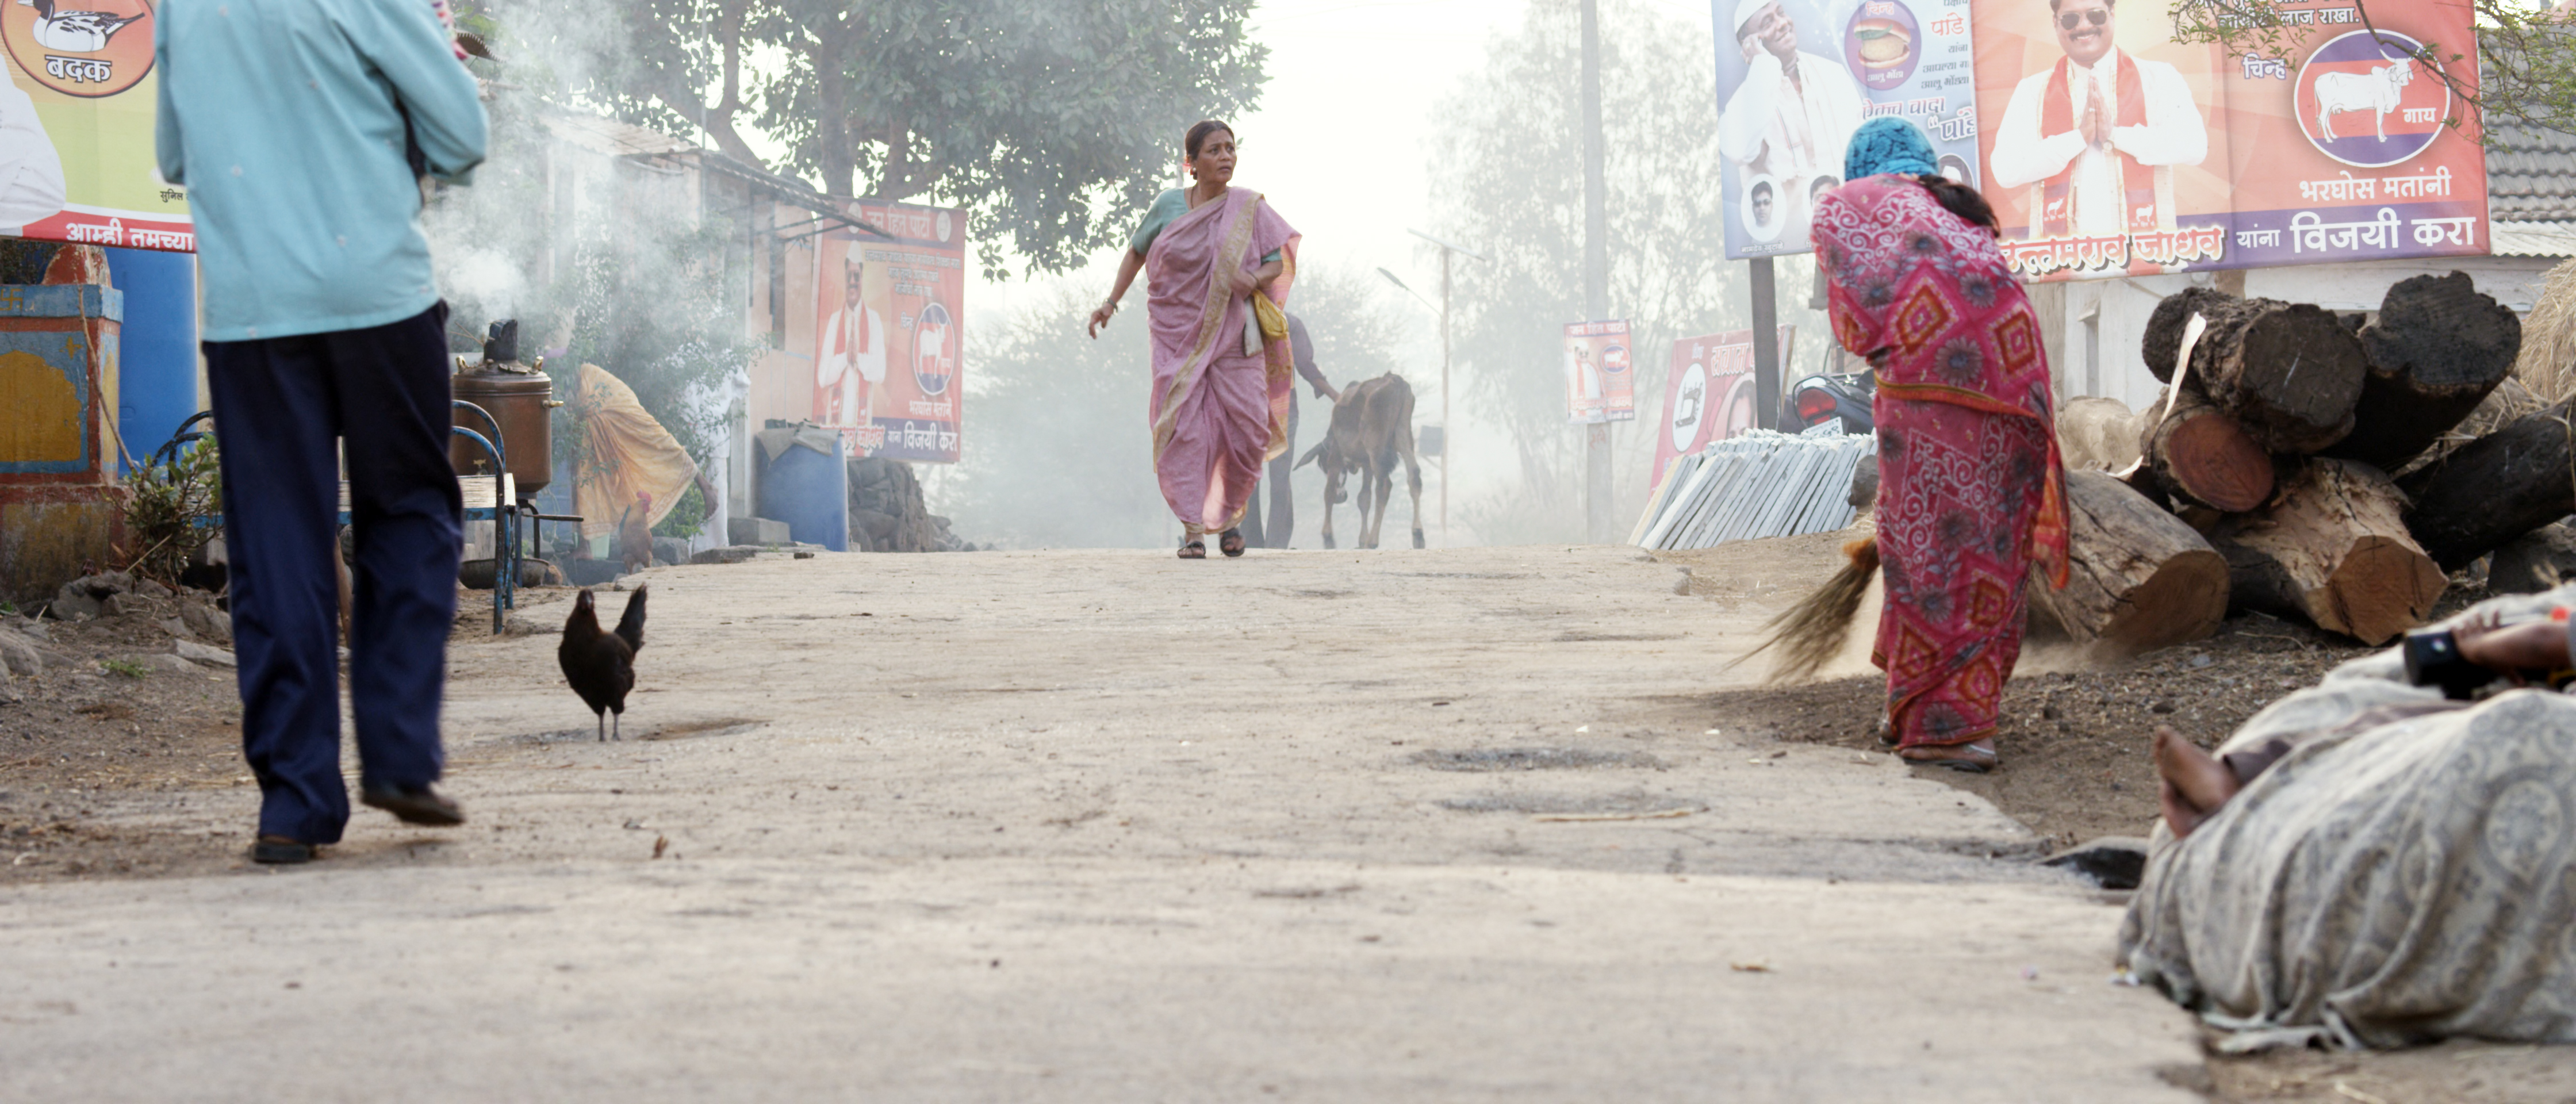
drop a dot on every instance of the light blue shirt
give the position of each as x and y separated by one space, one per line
281 118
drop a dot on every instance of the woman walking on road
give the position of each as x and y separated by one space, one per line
1971 490
1222 368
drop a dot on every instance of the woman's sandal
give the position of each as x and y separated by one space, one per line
1194 550
1230 542
1977 757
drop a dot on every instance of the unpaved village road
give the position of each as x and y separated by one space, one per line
1111 826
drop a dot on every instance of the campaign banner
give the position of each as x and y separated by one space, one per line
76 160
889 332
1709 395
2119 152
1600 380
1796 77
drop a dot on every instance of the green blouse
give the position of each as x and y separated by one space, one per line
1172 204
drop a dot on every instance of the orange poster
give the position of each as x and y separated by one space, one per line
2111 150
889 332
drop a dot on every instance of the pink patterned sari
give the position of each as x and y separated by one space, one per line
1971 490
1218 414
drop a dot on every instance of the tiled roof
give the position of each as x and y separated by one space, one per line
2531 175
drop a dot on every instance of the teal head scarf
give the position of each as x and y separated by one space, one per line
1888 144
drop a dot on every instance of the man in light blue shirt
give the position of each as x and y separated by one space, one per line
300 128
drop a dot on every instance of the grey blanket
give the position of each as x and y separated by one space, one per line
2382 887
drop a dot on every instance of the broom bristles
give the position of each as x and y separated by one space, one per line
1810 634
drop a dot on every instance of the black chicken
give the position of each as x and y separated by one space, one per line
601 665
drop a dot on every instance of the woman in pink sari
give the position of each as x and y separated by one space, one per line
1221 382
1971 491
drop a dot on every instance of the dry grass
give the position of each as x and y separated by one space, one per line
2547 365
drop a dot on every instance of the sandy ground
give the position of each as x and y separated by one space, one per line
1105 826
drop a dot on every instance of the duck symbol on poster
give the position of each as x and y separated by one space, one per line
85 48
76 32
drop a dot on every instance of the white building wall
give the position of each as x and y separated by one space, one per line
2104 321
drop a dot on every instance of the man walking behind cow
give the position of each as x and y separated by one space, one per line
298 127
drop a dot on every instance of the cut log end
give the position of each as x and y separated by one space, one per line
2384 586
2207 457
2184 600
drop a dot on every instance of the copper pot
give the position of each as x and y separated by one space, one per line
523 402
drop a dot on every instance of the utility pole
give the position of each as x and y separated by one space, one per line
1598 527
1766 346
1448 429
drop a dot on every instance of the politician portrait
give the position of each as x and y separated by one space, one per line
2096 134
1795 111
850 356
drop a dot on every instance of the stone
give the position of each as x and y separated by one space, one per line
35 628
2527 564
19 656
167 664
1864 485
150 589
756 530
198 653
2112 862
72 604
733 554
207 621
670 550
586 573
119 605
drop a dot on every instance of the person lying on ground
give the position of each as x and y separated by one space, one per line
2367 863
2193 783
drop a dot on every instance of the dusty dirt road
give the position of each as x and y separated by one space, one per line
1110 826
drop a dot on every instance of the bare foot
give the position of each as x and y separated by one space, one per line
2195 783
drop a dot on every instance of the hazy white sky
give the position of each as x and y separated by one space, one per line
1340 139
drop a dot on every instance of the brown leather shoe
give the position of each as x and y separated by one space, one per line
1973 758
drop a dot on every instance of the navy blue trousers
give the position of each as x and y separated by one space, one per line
280 406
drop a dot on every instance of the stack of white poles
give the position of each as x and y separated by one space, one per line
1755 484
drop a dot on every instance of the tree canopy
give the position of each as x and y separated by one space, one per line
1513 156
2525 49
1047 121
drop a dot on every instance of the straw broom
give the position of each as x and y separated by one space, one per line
1810 634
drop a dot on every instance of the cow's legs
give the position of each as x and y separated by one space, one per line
1413 480
1382 480
1368 496
1332 494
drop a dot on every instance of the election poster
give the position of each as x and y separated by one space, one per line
2114 151
1600 381
1708 396
1796 77
76 160
889 332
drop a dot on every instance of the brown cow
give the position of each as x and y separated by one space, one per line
1372 428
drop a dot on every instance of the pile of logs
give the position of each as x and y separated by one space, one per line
2259 478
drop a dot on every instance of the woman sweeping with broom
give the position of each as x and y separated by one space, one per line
1971 491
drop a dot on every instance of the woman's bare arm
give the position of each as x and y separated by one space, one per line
1245 282
1128 267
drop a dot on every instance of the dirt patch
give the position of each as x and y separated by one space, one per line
2456 1072
2074 743
1530 759
2074 734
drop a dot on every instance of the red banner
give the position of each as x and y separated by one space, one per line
889 332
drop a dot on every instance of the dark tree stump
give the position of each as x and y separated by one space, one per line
2164 328
2436 351
2495 488
2291 372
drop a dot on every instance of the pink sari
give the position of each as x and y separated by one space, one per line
1971 490
1218 415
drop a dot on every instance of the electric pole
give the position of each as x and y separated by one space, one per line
1598 526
